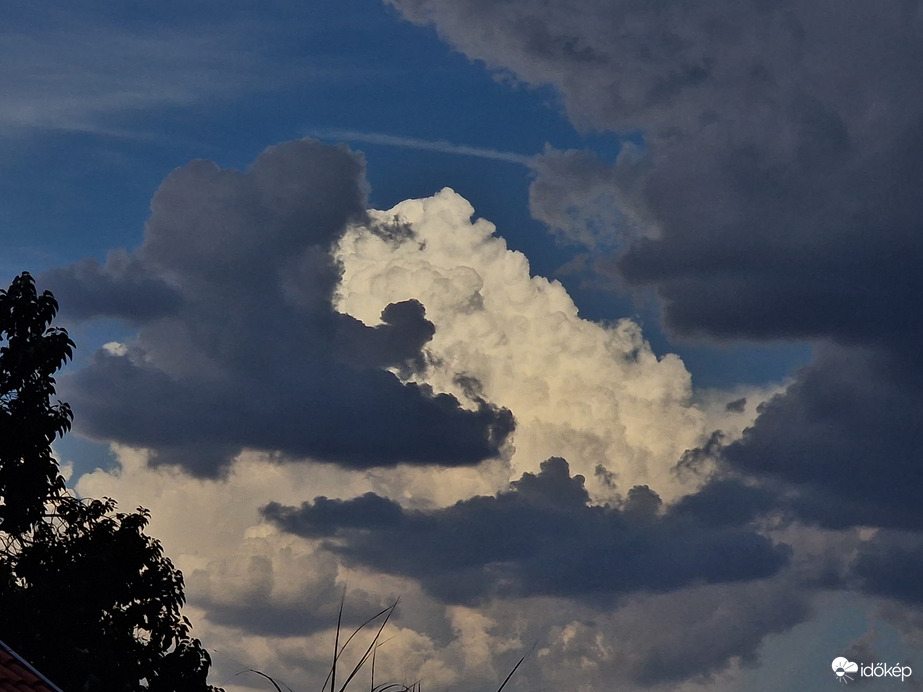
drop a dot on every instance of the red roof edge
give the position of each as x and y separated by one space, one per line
44 684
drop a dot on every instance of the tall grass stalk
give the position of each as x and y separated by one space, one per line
368 657
385 615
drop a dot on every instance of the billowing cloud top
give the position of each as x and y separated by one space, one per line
596 395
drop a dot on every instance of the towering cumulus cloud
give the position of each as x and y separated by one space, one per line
595 395
239 346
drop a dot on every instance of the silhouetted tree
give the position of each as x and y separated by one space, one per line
85 595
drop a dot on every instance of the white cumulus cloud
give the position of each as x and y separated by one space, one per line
595 394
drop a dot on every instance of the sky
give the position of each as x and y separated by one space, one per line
587 329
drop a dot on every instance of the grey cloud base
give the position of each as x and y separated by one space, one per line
845 439
238 344
540 538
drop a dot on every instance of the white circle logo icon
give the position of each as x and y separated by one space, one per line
841 666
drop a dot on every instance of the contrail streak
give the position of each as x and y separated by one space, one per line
439 145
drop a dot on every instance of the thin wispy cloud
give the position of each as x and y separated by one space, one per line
439 145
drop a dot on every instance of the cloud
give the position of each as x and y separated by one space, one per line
242 363
775 197
595 394
265 598
579 198
843 438
238 345
783 147
443 316
122 288
91 75
726 502
886 566
88 67
552 543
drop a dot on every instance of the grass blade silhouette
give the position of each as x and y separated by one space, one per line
338 650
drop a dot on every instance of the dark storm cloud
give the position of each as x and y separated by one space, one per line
845 438
840 448
750 248
890 565
539 538
726 502
121 288
699 633
239 346
780 193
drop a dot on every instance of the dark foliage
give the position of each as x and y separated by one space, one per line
85 595
29 421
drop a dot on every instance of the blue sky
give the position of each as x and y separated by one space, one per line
704 220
